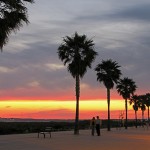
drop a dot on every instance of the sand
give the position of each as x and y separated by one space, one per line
131 139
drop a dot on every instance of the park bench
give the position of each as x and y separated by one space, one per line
47 130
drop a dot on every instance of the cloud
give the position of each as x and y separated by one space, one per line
6 69
54 67
8 107
84 86
34 84
138 12
50 114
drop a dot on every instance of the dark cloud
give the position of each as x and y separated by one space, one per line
8 107
141 12
134 12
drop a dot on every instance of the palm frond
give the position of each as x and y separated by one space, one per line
108 72
13 14
78 53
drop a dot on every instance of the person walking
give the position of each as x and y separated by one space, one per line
92 125
98 124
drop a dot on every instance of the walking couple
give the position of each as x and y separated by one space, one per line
95 123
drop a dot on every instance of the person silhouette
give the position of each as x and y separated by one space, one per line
92 125
98 123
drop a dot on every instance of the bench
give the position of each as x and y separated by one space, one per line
47 130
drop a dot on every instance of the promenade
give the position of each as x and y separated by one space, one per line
131 139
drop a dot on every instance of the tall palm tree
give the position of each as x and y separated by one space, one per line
78 53
13 14
108 73
126 87
134 100
148 102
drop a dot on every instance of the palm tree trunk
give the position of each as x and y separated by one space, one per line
108 102
76 129
143 115
148 113
135 118
126 121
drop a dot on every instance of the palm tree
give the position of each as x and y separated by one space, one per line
148 102
142 104
108 73
126 87
78 53
134 100
13 14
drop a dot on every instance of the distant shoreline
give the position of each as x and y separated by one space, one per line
45 120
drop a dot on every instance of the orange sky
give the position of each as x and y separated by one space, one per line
61 109
61 105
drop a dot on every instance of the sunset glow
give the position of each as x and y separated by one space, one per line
59 109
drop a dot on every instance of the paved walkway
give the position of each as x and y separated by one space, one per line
131 139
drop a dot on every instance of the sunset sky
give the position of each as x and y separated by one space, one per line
34 83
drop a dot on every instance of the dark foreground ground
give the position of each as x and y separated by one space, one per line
131 139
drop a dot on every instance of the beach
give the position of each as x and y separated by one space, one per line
115 140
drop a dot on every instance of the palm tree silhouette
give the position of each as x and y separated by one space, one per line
12 16
126 88
142 104
78 53
148 102
134 100
108 73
